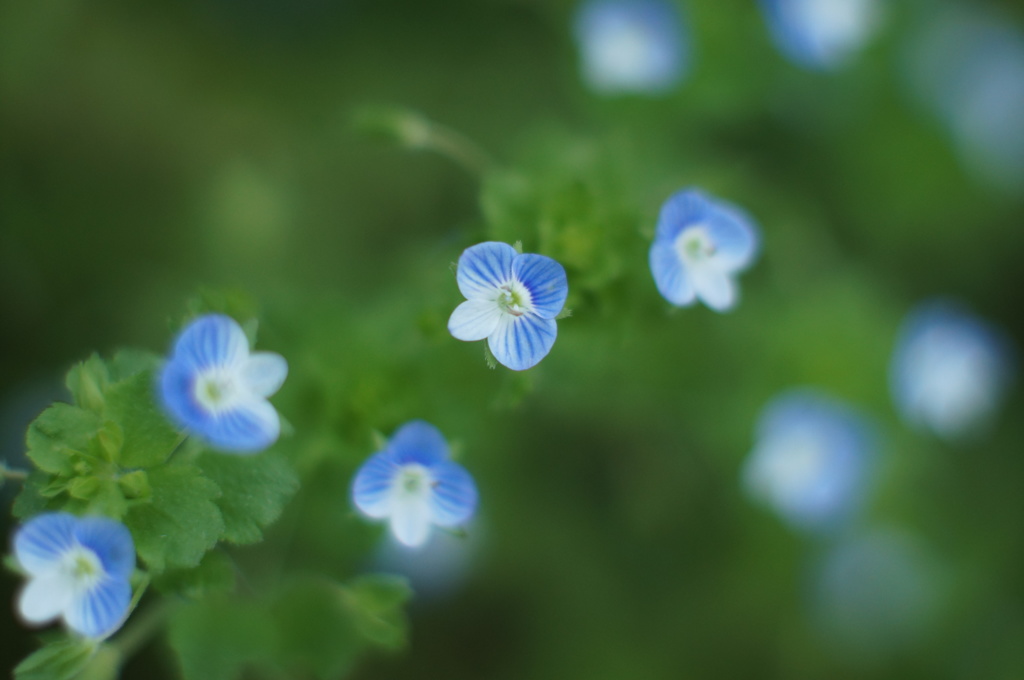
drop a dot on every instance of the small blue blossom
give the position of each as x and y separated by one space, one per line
820 34
950 370
700 245
78 569
512 299
215 388
631 46
812 460
414 485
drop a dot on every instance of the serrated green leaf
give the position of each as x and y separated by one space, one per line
216 638
60 660
129 362
149 437
87 382
107 500
57 434
30 500
180 522
254 490
135 485
376 602
214 575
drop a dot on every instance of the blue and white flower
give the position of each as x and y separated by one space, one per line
414 485
812 461
631 46
78 569
821 34
216 389
950 370
512 299
700 245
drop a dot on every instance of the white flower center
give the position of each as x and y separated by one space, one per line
514 298
414 483
216 389
82 568
694 245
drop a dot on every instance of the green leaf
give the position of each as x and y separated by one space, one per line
149 437
216 638
87 382
214 575
317 633
60 660
254 490
180 522
58 434
30 500
377 601
129 362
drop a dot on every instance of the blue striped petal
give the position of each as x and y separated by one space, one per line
669 274
371 488
733 234
418 442
41 542
484 267
212 340
101 610
521 341
111 542
249 427
455 496
545 279
682 209
264 373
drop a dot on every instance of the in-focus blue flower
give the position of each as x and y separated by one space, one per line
631 46
812 460
414 485
215 388
79 569
820 34
966 66
512 299
700 245
950 370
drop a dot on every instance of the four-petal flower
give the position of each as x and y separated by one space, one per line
700 244
79 569
820 34
512 299
414 485
214 387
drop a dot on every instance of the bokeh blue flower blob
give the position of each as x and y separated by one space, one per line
413 484
512 299
631 46
820 34
78 569
950 370
812 461
216 389
700 245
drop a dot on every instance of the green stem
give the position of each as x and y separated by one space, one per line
17 475
457 147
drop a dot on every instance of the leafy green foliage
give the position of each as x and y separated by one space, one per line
59 435
148 437
376 602
254 490
216 638
214 575
63 659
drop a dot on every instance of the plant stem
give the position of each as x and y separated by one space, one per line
17 475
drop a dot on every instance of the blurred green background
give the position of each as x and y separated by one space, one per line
151 150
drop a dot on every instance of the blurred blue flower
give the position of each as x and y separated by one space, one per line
215 388
79 569
512 300
631 46
949 370
414 485
967 66
700 245
812 460
820 34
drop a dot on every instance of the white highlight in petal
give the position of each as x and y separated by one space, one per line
474 319
713 286
411 513
264 373
46 596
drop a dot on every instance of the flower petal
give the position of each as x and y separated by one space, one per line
43 540
410 519
111 542
455 496
545 279
520 342
264 373
45 597
418 442
212 340
474 319
734 236
683 208
714 287
484 267
249 427
669 274
373 483
101 610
